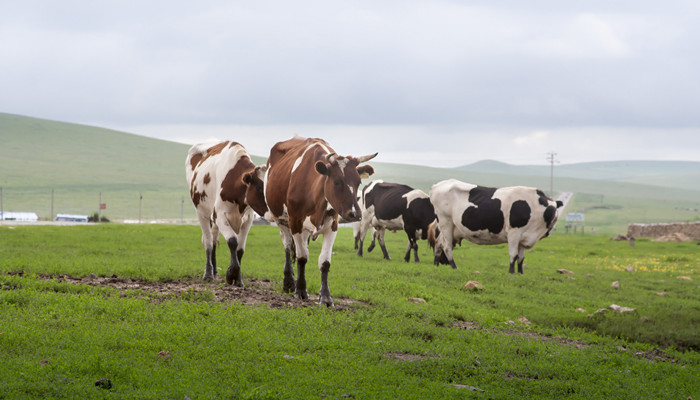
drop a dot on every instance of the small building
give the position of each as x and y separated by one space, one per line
71 218
18 216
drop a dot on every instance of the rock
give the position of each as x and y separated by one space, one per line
287 357
619 238
416 300
630 269
472 388
104 384
473 285
580 310
615 285
620 309
662 294
565 271
524 320
164 354
684 278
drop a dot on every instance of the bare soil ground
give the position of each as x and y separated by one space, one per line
254 291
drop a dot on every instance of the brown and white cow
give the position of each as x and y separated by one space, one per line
395 206
225 187
519 216
307 187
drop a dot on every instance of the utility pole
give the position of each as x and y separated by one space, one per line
140 199
550 158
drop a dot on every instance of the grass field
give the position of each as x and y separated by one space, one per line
519 337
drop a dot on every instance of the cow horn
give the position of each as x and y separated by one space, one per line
368 157
331 158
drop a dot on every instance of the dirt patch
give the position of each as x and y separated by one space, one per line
545 338
467 325
406 356
253 292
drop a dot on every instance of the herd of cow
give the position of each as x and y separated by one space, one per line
306 188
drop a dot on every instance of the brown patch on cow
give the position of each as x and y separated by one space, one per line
217 148
233 189
255 292
197 197
195 160
233 144
207 178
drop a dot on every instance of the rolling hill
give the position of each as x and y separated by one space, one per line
135 175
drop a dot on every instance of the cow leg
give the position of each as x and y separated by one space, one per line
324 264
289 256
380 239
233 273
412 245
513 252
301 241
230 223
374 239
209 246
521 259
415 251
243 235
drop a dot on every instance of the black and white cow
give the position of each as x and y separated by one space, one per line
519 216
395 206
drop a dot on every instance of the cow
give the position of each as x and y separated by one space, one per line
307 187
519 216
225 188
394 206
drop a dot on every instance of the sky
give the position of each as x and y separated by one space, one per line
437 83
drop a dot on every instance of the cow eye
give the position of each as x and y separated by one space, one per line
337 182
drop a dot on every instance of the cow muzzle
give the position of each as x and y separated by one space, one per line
352 216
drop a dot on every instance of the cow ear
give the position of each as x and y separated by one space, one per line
322 168
559 203
247 178
365 171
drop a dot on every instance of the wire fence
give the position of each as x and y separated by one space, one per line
144 206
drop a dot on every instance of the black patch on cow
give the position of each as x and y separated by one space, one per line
420 214
549 213
543 200
387 199
519 214
486 214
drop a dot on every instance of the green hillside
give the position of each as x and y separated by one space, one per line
80 163
674 174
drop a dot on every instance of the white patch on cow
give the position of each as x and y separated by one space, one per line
388 224
414 194
342 163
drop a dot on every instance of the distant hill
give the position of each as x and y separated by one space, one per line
135 175
674 174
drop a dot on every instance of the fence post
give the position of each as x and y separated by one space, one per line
140 198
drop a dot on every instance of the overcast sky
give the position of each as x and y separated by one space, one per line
440 83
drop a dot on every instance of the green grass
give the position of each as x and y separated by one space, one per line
57 339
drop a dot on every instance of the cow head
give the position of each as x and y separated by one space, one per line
255 192
343 176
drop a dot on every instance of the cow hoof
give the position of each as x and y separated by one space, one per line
302 295
326 300
208 278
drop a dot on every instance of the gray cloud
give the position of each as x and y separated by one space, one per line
510 68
